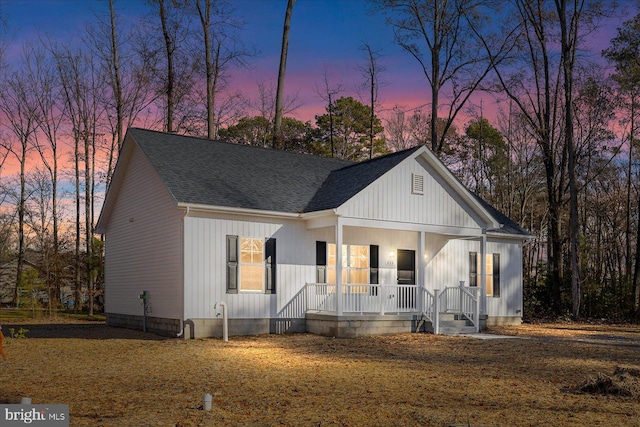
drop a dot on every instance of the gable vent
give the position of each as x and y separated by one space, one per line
417 184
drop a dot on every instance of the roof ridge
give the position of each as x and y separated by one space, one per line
244 146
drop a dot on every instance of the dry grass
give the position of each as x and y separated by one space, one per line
116 377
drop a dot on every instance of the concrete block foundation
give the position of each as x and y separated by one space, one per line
356 325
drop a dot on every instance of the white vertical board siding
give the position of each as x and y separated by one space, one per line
143 249
447 261
205 266
510 301
390 199
448 264
205 263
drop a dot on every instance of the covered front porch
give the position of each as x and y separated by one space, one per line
397 275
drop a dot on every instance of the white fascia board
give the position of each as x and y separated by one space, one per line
195 207
510 236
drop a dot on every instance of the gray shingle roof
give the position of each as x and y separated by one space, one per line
342 184
201 171
214 173
508 225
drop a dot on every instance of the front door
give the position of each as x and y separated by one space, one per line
406 276
406 267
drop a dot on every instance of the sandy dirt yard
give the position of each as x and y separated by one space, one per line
119 377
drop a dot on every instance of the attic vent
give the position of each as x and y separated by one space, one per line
417 184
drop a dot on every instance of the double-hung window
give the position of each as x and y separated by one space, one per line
359 264
355 264
492 272
251 264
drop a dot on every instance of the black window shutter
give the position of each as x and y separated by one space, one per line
473 269
232 264
374 260
270 266
321 262
496 275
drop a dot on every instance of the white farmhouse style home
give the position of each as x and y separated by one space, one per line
287 242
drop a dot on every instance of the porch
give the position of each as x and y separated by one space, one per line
357 309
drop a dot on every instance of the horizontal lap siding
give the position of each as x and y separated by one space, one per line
143 246
389 198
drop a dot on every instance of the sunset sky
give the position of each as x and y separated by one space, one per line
324 34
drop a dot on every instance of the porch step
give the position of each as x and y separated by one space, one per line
451 316
455 324
457 330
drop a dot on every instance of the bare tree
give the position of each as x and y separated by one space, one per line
172 63
17 105
327 94
441 36
81 85
49 118
128 76
222 48
625 55
371 70
397 129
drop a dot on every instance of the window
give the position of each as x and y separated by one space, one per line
355 264
492 272
250 265
359 264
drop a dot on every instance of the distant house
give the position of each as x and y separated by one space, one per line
293 243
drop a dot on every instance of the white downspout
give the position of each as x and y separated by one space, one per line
186 214
225 323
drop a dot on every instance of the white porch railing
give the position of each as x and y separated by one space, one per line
461 300
379 299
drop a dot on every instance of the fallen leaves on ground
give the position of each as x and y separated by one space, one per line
119 377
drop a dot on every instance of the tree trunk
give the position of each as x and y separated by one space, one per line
117 79
21 206
205 20
169 88
568 36
277 130
78 285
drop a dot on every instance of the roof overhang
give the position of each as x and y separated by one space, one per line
194 207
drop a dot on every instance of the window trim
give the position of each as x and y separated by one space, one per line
475 268
251 264
234 264
322 257
346 264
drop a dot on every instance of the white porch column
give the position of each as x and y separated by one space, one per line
483 273
339 266
422 265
